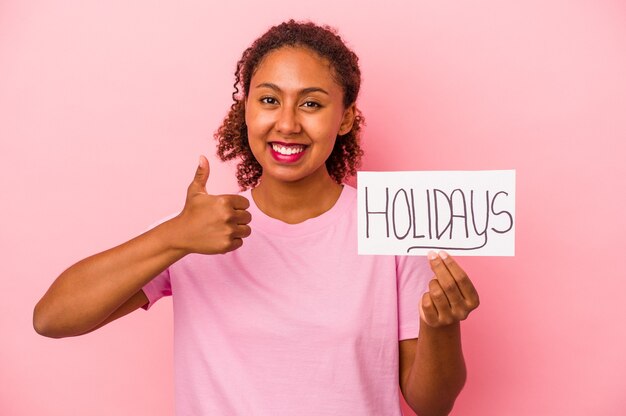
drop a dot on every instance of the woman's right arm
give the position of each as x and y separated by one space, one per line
108 285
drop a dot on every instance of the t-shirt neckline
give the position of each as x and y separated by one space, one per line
274 226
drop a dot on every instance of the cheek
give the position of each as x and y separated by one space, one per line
258 123
329 129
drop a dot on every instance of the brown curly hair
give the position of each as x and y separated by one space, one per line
232 136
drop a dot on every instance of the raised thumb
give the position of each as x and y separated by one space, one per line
202 175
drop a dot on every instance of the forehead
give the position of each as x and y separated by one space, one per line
295 66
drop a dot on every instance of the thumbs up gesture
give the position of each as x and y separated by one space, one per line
211 224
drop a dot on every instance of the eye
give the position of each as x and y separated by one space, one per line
311 104
268 100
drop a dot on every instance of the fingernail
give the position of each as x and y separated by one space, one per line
199 161
432 255
443 254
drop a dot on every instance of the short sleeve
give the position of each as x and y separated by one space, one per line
160 286
157 288
413 274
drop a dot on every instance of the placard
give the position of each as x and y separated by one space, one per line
466 213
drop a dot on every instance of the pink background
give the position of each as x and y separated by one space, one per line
105 107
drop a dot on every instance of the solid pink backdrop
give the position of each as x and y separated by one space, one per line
105 107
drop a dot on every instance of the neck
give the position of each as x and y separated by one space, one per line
295 202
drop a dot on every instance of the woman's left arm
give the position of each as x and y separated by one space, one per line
432 368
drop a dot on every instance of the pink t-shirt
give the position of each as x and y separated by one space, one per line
292 323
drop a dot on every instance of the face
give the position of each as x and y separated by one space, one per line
294 112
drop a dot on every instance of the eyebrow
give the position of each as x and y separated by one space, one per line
301 92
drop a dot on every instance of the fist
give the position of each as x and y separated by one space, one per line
451 295
211 224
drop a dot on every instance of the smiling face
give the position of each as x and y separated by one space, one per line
294 112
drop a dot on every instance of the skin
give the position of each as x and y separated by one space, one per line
293 98
107 285
286 105
432 368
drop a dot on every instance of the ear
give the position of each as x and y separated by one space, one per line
348 120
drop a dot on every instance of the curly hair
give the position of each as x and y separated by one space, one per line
232 135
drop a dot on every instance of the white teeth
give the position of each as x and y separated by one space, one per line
287 150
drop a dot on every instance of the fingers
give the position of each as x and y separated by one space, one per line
242 231
232 209
237 235
237 216
241 217
235 244
240 202
235 238
442 312
212 224
445 278
201 177
463 282
428 311
451 295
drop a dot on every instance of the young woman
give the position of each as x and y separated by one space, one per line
274 311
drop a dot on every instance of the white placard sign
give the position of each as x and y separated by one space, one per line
468 213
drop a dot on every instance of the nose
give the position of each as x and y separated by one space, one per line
287 122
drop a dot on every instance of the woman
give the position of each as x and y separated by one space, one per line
291 321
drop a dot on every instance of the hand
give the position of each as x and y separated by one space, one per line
211 224
451 295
